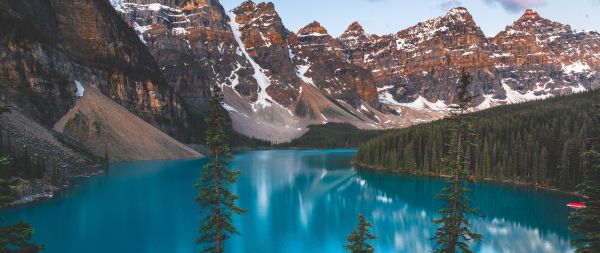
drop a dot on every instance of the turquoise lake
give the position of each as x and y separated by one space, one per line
296 201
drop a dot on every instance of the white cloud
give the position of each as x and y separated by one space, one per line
517 5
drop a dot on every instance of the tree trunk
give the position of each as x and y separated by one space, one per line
457 177
218 240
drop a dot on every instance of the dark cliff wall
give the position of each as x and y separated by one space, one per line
45 46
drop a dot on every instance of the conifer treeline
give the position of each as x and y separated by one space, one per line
541 142
331 135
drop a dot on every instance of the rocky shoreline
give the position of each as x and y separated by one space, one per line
53 149
30 191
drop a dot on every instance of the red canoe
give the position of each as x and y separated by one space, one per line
576 205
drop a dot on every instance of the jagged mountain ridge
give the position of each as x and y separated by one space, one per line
368 80
263 68
533 58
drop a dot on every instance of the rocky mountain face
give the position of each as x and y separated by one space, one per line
159 58
192 43
539 57
277 82
266 41
271 91
45 46
533 58
325 64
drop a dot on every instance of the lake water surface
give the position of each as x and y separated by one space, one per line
296 201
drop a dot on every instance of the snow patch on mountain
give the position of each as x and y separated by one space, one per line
180 31
80 89
264 100
513 96
386 98
118 5
141 30
314 34
579 89
301 71
576 67
422 103
157 7
487 103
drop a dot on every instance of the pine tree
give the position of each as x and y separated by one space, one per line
454 232
5 191
358 240
564 175
588 218
217 202
544 164
16 237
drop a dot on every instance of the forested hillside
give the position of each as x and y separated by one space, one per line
539 142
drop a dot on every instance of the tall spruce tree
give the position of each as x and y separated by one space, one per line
217 202
358 240
588 218
454 232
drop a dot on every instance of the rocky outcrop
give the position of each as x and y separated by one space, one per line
538 57
38 143
354 41
192 43
533 58
422 60
47 45
267 42
324 63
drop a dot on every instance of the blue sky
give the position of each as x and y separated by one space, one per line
389 16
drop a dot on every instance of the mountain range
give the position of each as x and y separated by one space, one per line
80 68
277 82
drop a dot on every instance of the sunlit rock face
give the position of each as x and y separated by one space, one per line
536 56
192 43
533 58
328 68
267 42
